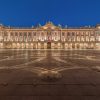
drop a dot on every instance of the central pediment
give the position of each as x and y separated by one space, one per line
50 25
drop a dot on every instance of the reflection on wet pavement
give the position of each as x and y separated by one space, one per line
48 60
21 71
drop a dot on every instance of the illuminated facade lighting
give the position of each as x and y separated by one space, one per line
50 36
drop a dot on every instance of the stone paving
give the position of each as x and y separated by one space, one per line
19 75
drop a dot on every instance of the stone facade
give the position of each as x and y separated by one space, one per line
50 36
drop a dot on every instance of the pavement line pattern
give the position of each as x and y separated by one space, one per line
20 66
41 57
72 57
11 57
60 60
68 68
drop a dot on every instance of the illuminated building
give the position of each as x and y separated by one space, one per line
50 36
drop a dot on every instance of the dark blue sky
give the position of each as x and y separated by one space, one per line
65 12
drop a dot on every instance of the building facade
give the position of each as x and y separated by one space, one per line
49 36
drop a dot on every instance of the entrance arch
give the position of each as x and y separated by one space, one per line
48 45
73 46
77 46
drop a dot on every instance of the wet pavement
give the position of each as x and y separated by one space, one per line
20 72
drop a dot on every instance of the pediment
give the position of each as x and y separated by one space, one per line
49 25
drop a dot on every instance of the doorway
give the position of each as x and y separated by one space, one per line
49 45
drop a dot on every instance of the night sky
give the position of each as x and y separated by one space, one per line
64 12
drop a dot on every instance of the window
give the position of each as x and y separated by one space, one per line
5 34
68 34
34 33
63 34
49 33
29 34
73 34
16 34
12 34
42 34
25 34
20 34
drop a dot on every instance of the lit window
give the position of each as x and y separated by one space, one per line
63 33
16 34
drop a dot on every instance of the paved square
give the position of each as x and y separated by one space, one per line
21 70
